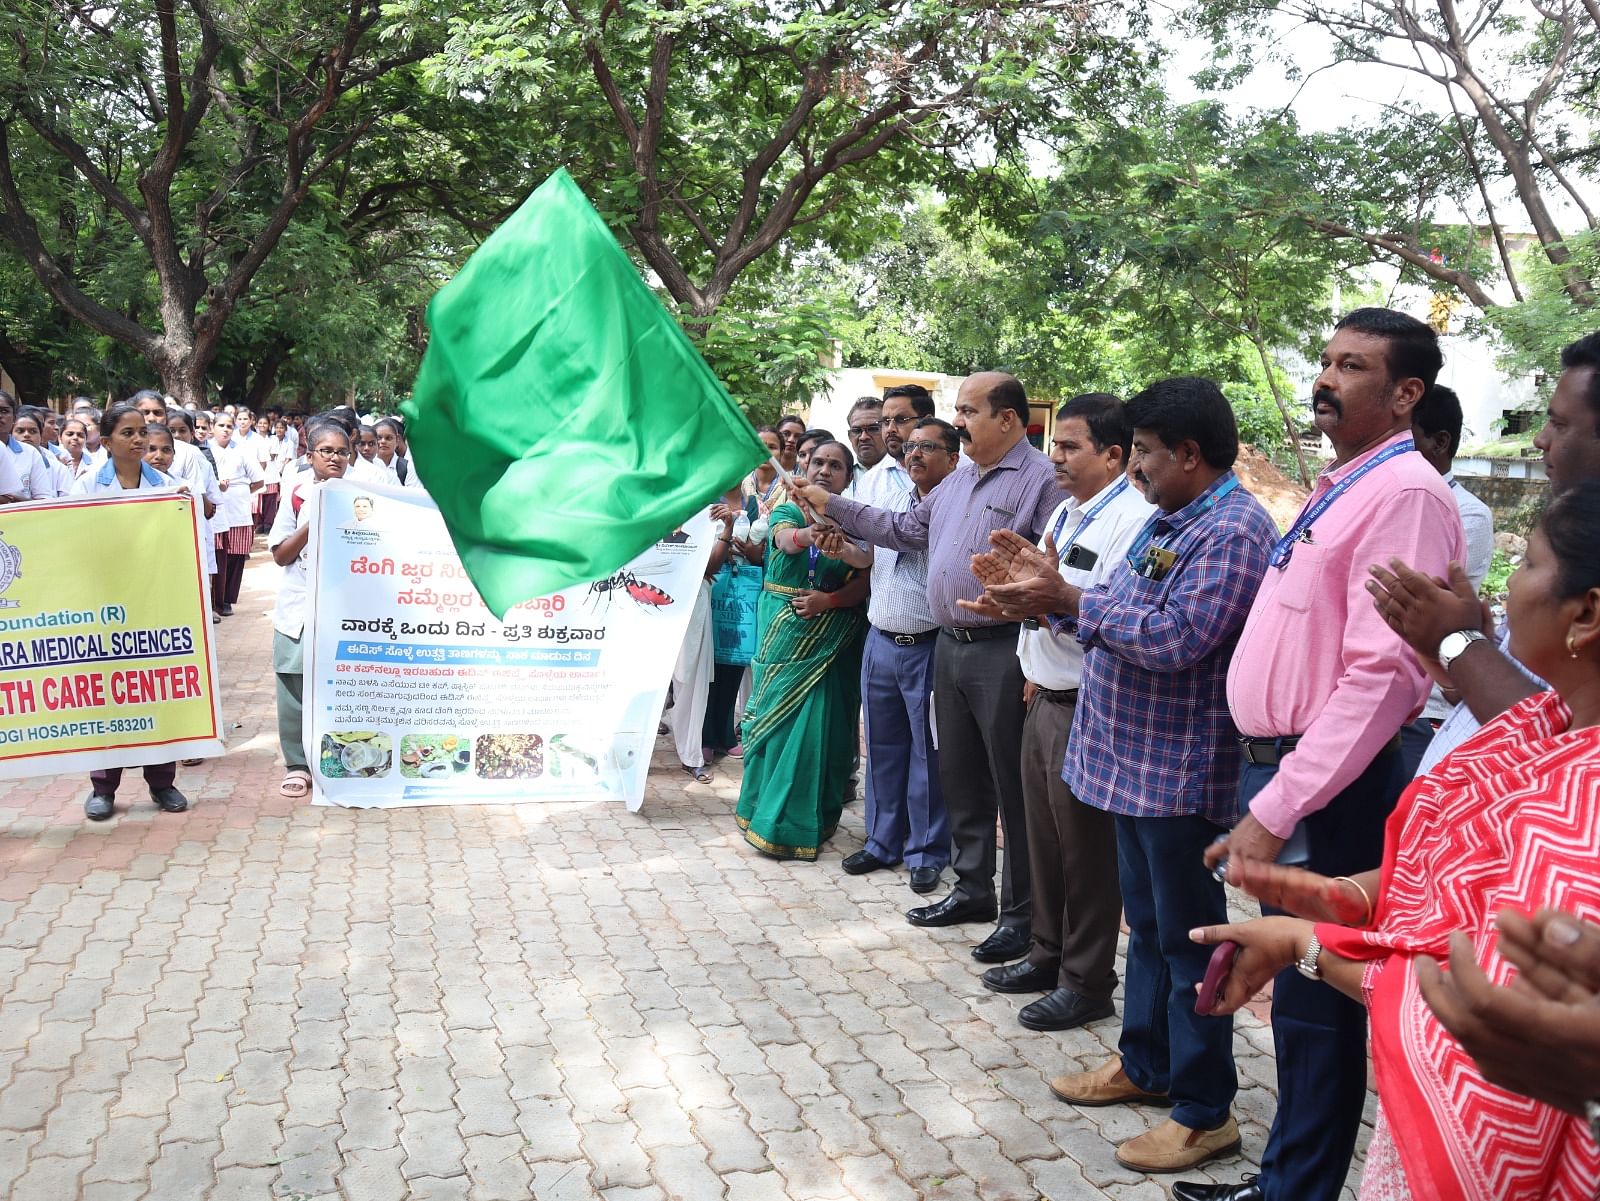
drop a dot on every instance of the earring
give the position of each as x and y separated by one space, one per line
1572 652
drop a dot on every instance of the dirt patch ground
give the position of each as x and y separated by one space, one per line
1282 496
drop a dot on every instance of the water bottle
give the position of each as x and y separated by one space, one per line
741 527
759 528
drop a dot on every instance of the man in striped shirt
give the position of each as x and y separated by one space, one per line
1152 744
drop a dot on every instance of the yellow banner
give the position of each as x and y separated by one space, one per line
106 656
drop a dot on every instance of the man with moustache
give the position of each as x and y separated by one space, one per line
1002 483
864 424
1319 689
1073 846
906 819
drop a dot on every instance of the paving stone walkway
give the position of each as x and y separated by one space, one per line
264 1000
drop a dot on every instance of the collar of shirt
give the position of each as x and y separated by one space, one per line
1333 473
1197 506
1074 506
1010 461
149 477
14 446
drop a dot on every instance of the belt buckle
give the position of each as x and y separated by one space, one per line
905 640
961 633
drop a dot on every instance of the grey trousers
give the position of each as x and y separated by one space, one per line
1072 849
978 712
288 665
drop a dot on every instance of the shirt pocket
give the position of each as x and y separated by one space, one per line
1302 577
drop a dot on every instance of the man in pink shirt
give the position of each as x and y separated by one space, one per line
1319 688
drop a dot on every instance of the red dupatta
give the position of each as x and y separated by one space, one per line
1509 820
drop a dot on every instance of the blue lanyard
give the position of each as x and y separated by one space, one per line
1142 541
1301 529
1055 534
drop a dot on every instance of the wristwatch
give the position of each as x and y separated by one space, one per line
1452 645
1309 965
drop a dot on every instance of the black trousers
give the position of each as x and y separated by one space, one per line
978 713
107 780
1320 1034
229 579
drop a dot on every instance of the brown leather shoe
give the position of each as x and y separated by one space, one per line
1173 1147
1108 1084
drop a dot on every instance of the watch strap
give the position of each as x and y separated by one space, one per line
1310 963
1454 644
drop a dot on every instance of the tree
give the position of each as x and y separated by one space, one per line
1518 79
188 137
715 133
1206 213
1079 304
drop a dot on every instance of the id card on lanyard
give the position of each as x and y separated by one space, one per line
1152 562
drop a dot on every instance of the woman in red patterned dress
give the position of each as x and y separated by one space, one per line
1509 820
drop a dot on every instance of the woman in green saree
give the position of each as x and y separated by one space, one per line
800 730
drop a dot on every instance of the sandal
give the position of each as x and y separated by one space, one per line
701 775
296 783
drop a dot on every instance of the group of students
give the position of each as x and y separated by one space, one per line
245 485
1242 695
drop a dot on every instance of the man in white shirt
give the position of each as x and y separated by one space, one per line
1072 847
1436 429
865 426
906 819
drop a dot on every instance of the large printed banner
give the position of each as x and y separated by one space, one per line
416 695
106 657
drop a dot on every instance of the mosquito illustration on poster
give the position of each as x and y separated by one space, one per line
641 592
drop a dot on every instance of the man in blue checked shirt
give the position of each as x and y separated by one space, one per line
1152 743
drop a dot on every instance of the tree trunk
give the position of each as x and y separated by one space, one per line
1283 408
29 371
265 380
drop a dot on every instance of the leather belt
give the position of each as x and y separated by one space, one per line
1061 696
980 633
1269 752
908 639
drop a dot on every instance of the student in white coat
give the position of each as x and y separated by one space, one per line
123 432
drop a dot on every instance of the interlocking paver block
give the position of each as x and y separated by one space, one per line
560 1001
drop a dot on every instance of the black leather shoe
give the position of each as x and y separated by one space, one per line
169 800
924 879
97 808
1064 1009
1021 976
954 910
1248 1189
862 862
1005 944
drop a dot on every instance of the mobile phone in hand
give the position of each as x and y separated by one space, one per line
1217 970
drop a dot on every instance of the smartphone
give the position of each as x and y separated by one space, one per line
1216 972
1082 558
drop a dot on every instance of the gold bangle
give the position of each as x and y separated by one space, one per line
1371 909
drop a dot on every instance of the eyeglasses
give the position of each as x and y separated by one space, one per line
329 452
926 448
857 430
909 419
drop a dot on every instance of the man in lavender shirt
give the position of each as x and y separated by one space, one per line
1002 483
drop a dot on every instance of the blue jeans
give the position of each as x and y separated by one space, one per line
1318 1033
905 805
1166 891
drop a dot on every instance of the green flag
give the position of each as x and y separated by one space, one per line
562 420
